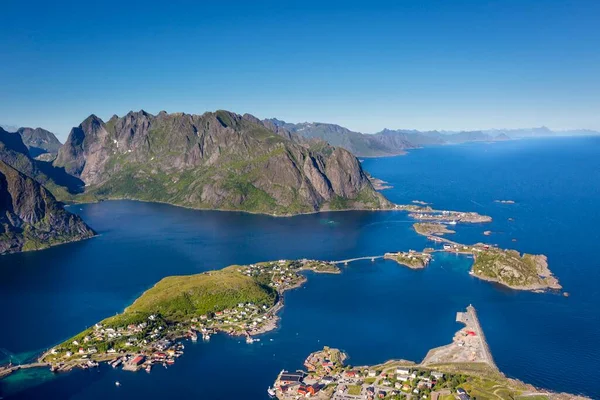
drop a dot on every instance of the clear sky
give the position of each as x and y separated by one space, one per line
446 64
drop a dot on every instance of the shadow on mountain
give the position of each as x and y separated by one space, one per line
58 174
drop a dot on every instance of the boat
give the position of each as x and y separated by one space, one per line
170 361
117 383
194 337
249 339
148 368
452 222
271 392
206 336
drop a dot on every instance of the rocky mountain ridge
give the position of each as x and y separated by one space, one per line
217 160
30 216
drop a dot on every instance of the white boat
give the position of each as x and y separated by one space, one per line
452 222
194 337
206 336
117 383
271 392
249 339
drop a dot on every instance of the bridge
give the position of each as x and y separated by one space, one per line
345 262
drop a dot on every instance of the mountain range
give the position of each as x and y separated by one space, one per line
217 160
394 142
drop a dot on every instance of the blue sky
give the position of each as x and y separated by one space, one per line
365 65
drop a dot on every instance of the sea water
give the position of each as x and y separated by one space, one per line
375 311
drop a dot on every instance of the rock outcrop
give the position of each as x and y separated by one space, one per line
30 216
218 160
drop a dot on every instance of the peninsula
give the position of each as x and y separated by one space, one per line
461 370
237 300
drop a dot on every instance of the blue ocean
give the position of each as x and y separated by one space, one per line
375 311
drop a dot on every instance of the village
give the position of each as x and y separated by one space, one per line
449 217
141 341
326 377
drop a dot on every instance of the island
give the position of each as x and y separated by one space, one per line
446 216
461 370
504 201
510 268
411 259
428 228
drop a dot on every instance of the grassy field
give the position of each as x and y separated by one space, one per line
354 390
178 297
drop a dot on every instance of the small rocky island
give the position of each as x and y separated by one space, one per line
428 228
463 369
508 267
411 259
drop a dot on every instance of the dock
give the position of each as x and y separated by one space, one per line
5 371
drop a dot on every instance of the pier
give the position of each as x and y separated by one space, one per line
4 371
470 319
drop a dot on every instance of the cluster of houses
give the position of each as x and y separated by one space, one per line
450 217
326 378
282 273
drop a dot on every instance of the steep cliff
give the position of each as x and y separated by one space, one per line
31 218
217 160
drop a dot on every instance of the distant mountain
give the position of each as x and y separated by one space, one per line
392 142
39 141
540 132
31 218
428 138
9 128
360 144
217 160
14 153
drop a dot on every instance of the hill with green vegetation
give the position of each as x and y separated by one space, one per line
217 160
180 297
